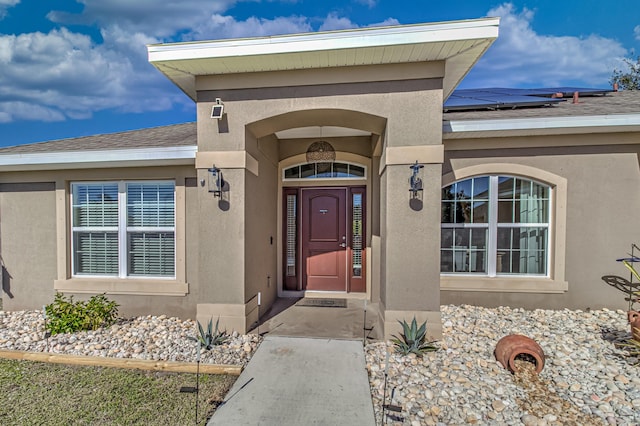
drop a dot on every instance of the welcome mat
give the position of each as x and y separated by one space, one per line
323 303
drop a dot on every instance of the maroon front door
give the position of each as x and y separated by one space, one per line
324 239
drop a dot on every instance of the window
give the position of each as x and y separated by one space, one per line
332 170
495 225
123 229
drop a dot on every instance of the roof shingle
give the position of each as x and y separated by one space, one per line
156 137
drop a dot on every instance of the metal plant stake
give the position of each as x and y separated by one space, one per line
191 389
384 388
364 325
47 333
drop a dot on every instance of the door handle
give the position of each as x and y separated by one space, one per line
343 245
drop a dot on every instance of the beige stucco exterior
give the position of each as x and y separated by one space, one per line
39 203
594 179
230 249
401 115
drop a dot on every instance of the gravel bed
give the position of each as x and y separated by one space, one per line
158 338
586 379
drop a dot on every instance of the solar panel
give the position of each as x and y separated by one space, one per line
487 100
549 91
501 98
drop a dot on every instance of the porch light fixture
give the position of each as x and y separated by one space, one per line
218 109
321 152
415 181
216 181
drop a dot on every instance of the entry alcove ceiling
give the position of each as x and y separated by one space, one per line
320 132
459 43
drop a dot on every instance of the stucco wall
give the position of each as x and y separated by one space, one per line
34 218
402 113
261 237
28 244
603 201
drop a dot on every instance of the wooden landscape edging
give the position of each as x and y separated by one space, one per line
138 364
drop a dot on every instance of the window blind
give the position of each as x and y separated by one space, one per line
114 221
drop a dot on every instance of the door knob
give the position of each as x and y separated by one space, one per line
343 245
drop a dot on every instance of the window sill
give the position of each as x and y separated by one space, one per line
502 284
143 287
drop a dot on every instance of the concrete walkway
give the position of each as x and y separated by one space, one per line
300 381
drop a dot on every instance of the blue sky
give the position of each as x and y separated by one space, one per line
79 67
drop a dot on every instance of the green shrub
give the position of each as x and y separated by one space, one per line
413 339
210 338
66 316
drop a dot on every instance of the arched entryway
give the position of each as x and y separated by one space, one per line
325 183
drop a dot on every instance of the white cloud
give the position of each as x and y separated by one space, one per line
64 75
385 23
335 22
636 32
222 26
219 26
4 6
28 111
158 19
522 57
49 77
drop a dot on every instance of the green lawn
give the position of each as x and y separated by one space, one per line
53 394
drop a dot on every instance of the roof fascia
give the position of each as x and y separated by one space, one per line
549 125
167 57
61 160
322 41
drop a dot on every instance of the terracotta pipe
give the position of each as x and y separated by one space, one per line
634 321
514 345
576 98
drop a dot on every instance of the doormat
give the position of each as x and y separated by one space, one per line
323 303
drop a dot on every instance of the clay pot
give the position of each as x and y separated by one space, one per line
513 345
634 321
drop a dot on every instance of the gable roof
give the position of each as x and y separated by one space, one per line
460 44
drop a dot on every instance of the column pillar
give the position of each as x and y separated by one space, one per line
410 277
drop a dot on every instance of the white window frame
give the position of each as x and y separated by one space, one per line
316 179
556 282
492 226
123 230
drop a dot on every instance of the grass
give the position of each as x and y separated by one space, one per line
53 394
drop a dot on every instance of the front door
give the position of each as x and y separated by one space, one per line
323 239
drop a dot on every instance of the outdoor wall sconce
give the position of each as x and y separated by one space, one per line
415 181
216 181
217 111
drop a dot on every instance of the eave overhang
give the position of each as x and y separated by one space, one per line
66 160
459 43
540 126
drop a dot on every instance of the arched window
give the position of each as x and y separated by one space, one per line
495 225
326 170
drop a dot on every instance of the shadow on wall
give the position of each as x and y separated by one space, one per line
6 281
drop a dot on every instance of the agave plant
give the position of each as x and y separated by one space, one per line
413 339
211 337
